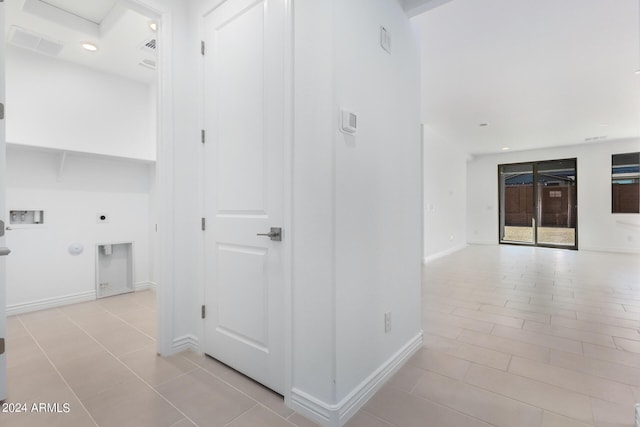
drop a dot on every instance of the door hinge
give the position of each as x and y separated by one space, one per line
203 311
203 224
202 47
202 135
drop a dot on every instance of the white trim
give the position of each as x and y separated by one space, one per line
164 184
42 304
416 7
164 167
186 342
287 249
143 286
634 251
338 414
433 257
45 303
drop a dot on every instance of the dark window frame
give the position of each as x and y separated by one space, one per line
625 183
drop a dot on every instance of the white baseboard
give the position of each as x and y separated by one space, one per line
186 342
338 414
430 258
45 303
633 251
143 286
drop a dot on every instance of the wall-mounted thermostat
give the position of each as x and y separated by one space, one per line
349 122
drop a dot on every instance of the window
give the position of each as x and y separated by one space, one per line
625 183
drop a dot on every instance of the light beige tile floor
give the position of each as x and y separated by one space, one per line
514 336
553 341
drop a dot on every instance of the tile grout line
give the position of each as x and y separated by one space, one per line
183 374
235 418
417 396
389 423
522 401
128 323
127 368
57 371
221 378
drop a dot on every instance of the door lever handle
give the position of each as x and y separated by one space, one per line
275 234
5 251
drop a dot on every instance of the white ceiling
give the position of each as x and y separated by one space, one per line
541 73
119 32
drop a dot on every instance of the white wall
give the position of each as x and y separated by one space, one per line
55 104
598 228
378 200
186 155
40 267
357 201
313 322
445 195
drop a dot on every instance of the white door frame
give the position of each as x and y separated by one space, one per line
287 250
164 168
3 280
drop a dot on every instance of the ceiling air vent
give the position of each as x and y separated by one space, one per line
149 46
595 138
33 41
148 63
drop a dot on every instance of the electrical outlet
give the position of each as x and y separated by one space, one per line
387 322
104 286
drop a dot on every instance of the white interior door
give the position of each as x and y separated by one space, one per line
243 116
3 250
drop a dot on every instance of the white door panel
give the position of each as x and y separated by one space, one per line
242 282
243 118
239 132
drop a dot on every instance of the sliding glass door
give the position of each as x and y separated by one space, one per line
538 203
516 203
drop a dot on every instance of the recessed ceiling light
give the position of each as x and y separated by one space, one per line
505 148
89 46
153 25
637 72
483 125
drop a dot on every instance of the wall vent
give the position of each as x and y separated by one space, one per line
149 46
148 63
595 138
33 41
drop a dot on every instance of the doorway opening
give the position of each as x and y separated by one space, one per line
538 203
90 164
